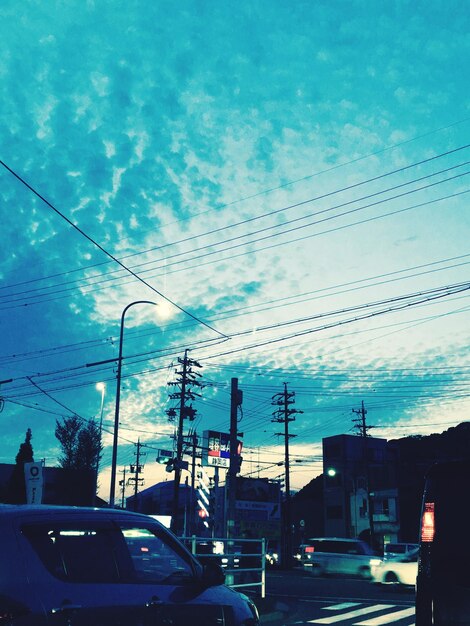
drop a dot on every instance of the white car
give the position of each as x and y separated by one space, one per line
401 570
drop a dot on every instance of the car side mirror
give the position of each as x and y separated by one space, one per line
213 575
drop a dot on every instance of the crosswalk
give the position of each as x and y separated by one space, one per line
358 614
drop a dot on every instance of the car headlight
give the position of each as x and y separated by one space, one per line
375 562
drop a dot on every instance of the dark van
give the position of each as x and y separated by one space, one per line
443 581
104 567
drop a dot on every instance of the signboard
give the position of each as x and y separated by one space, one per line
34 482
257 490
215 448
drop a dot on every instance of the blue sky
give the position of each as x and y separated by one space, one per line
292 175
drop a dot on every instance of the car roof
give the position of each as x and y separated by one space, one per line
46 510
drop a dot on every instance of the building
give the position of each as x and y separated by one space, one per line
360 489
158 500
257 507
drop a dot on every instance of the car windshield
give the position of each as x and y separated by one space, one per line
105 552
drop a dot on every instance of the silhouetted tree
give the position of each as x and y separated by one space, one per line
80 441
17 485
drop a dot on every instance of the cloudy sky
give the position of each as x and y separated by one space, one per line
286 180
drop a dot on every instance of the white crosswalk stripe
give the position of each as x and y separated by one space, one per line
384 614
352 614
340 607
388 618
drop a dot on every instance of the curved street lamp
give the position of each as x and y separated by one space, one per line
118 396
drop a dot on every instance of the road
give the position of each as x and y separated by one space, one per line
298 598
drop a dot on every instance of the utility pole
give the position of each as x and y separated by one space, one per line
363 428
136 470
186 380
122 484
236 399
283 415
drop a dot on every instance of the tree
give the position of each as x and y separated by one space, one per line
25 453
80 441
17 485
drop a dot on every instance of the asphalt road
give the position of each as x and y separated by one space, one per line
296 598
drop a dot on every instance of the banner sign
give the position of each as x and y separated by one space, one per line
34 482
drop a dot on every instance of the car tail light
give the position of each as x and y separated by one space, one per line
427 523
309 550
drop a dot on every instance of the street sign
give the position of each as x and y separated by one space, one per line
215 448
34 482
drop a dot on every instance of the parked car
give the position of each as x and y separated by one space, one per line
106 567
443 582
392 550
332 555
398 570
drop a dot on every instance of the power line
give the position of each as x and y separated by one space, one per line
271 213
108 254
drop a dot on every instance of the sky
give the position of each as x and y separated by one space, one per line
286 181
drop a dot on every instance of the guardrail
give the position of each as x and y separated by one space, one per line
243 560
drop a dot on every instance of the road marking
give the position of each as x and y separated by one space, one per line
339 607
388 618
343 605
352 614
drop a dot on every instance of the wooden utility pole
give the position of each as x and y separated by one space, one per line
236 398
136 469
122 484
363 429
283 415
186 380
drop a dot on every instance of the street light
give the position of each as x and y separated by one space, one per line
118 396
100 387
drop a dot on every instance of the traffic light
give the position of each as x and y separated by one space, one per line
238 463
163 456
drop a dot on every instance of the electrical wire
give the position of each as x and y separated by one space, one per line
108 254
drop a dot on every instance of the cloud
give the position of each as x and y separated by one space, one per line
164 135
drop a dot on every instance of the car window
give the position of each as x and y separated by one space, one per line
354 548
75 553
153 559
411 557
107 553
395 548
